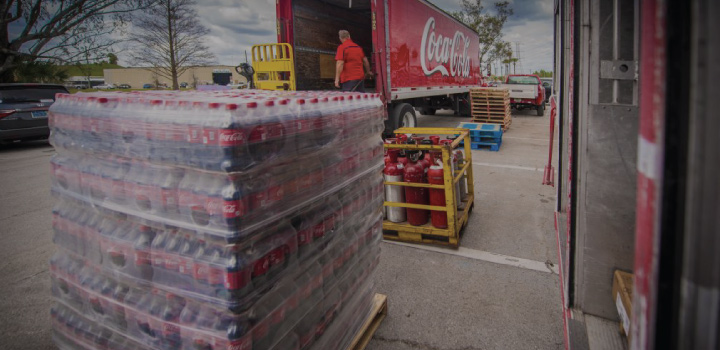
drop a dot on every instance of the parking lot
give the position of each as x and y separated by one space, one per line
499 291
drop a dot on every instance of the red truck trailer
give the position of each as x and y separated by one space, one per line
421 56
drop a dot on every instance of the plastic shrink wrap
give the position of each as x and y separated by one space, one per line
214 220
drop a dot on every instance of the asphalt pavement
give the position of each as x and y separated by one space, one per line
499 291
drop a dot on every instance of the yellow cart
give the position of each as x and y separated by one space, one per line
457 218
274 67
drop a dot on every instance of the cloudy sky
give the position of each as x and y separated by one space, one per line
237 25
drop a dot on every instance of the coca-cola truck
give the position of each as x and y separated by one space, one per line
421 57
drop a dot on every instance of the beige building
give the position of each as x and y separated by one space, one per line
137 77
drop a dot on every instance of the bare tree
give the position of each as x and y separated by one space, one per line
169 39
489 27
59 31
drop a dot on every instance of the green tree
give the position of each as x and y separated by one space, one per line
169 39
39 72
112 58
543 73
58 31
488 26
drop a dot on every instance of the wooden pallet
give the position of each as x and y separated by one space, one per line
491 105
504 123
420 234
378 314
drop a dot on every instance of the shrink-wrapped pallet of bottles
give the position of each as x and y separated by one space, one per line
214 220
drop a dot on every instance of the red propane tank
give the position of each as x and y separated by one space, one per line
437 196
394 172
415 172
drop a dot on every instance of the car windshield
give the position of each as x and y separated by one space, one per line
523 80
11 94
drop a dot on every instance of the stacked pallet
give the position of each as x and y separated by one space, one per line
491 105
483 136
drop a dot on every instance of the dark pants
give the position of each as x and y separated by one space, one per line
350 84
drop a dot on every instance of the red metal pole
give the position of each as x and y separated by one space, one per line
549 175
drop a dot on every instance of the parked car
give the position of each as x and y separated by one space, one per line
148 86
105 87
184 85
23 110
124 86
526 92
548 85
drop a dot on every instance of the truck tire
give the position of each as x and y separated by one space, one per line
541 110
403 115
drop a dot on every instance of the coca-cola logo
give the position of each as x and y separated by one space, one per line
231 137
231 209
444 51
242 344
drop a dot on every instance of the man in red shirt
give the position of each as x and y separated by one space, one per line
351 65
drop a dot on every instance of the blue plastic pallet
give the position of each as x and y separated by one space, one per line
492 146
485 139
482 129
485 145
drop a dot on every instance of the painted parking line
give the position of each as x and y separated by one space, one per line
507 166
487 256
527 138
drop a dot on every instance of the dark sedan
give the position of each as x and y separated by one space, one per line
24 110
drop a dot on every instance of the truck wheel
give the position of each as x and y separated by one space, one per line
403 115
465 109
541 110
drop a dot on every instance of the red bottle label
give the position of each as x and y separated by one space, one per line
276 193
194 135
261 266
231 280
277 256
185 266
186 198
158 259
229 137
210 137
172 262
213 206
200 271
241 344
233 209
215 276
305 236
142 257
319 230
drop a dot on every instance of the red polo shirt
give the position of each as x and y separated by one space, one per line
353 55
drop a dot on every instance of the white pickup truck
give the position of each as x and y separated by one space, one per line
526 92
